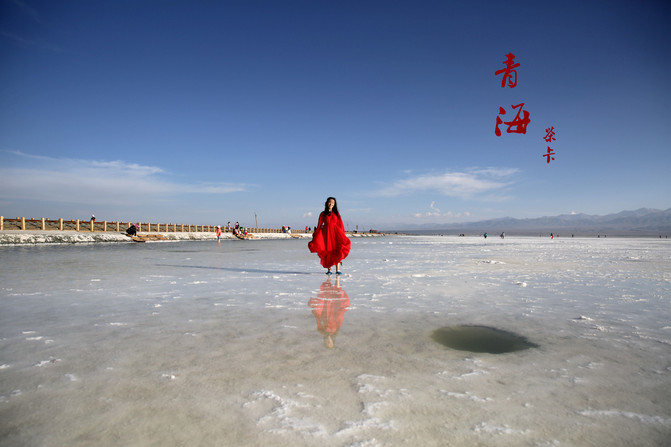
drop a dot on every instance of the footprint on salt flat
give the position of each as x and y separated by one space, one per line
481 339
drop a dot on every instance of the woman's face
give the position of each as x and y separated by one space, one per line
330 204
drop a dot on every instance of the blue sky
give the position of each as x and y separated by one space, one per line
205 112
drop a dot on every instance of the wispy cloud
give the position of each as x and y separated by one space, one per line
22 41
434 212
469 184
28 10
94 182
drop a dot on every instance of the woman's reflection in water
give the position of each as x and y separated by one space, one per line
329 309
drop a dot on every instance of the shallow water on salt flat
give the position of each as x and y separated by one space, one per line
196 343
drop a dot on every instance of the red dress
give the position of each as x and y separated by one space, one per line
329 240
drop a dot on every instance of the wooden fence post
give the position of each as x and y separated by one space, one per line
104 225
77 225
60 224
117 226
43 225
2 223
93 222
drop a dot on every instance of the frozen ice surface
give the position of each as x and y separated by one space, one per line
199 343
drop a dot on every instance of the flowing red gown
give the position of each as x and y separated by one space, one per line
329 240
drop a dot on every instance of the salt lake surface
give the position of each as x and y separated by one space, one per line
199 343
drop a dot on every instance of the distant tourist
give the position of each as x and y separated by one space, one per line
329 240
218 232
503 235
485 235
132 230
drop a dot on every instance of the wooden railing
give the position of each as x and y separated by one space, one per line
21 223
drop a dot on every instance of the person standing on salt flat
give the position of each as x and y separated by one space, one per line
329 240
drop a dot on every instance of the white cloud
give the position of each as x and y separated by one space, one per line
465 185
434 212
93 182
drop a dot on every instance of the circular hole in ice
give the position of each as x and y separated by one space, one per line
481 339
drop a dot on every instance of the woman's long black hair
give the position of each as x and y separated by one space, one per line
335 206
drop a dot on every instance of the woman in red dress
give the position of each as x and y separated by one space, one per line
329 240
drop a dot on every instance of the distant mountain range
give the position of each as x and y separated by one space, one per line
641 222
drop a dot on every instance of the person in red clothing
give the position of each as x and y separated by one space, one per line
329 310
329 240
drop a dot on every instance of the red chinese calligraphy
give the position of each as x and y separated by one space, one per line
509 74
497 131
519 124
550 134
